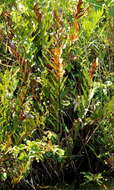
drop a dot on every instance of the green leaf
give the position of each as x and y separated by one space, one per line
111 11
23 156
3 176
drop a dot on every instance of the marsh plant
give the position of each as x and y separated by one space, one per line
56 86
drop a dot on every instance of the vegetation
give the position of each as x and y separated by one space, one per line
56 90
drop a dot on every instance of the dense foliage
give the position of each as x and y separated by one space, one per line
56 88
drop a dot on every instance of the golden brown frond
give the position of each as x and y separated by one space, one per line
58 17
57 63
77 14
79 10
93 68
38 13
7 17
